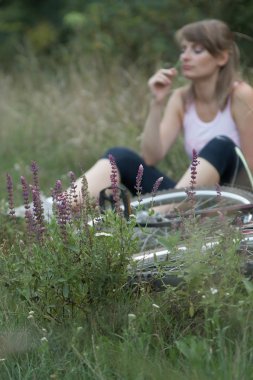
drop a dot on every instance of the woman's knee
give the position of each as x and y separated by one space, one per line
220 147
119 153
220 152
125 159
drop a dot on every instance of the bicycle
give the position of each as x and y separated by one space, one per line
235 205
231 202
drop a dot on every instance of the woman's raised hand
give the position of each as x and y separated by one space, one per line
160 83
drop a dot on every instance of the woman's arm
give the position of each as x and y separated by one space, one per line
161 128
242 111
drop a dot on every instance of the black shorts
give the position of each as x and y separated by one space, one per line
128 163
220 152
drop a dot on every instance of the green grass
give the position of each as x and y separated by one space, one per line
64 118
85 324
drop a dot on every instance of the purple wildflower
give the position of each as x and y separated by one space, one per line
139 176
35 171
10 193
62 208
156 186
195 162
72 176
25 192
29 217
38 213
63 214
57 190
114 184
73 186
30 224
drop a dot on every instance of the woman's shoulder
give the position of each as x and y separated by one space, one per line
182 91
175 104
179 95
242 91
241 99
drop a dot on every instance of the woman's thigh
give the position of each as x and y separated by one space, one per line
220 152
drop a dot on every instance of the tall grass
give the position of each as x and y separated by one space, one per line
65 311
65 116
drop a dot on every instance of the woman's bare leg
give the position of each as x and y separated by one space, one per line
207 175
98 177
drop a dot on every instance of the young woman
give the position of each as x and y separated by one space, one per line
215 112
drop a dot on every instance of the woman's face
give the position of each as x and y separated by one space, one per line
197 62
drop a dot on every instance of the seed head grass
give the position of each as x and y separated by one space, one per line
66 308
65 117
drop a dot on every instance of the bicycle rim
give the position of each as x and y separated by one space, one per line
147 263
206 198
158 268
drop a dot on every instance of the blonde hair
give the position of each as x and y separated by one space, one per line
216 37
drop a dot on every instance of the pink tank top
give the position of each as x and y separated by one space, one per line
198 133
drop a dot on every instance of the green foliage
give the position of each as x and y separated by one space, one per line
137 31
60 276
42 36
80 320
65 312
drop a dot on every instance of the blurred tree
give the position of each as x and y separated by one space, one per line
140 31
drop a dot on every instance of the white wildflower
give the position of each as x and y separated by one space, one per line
213 290
155 306
31 312
2 359
44 339
102 234
203 296
17 167
131 317
30 316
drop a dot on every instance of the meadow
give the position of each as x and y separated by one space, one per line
66 312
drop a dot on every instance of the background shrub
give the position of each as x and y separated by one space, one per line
137 31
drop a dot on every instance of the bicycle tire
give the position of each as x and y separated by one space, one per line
205 199
210 196
147 270
157 270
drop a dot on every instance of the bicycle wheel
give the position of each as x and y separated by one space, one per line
203 199
207 203
160 268
157 266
